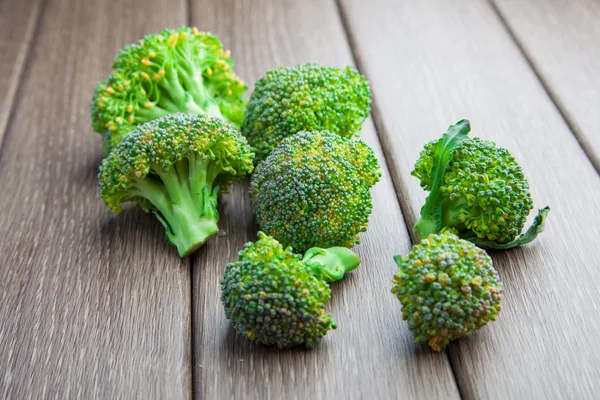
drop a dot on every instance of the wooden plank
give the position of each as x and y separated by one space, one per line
560 39
432 63
371 354
93 305
17 26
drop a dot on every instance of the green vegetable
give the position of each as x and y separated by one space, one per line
448 289
307 97
175 167
477 189
180 70
274 297
314 190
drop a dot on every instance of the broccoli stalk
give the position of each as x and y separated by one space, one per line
186 203
182 89
476 190
330 264
176 167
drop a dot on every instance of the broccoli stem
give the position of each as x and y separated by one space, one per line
426 225
330 264
183 91
186 203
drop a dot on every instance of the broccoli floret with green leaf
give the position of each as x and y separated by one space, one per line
180 70
175 167
313 190
307 97
274 297
477 189
448 288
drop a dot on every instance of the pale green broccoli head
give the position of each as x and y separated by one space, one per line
175 167
307 97
314 190
180 70
476 188
273 297
448 288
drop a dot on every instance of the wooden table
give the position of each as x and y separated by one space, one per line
98 305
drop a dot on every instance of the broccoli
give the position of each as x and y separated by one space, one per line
477 189
307 97
175 167
314 190
273 297
180 70
448 288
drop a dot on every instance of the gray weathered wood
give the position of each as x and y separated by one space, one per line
561 38
17 26
371 354
432 63
92 305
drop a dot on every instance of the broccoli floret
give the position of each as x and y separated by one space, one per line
175 167
307 97
448 288
477 189
314 190
180 70
273 297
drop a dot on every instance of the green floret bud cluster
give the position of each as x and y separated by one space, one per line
273 298
307 97
180 70
487 186
448 289
476 188
314 190
176 166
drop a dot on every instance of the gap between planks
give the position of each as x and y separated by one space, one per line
387 154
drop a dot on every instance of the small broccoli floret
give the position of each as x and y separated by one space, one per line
476 188
448 288
180 70
273 297
175 167
314 190
307 97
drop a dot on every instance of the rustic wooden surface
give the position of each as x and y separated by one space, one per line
370 355
17 26
447 62
562 40
98 305
92 305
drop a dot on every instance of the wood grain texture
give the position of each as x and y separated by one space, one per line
432 63
17 26
371 354
561 39
92 305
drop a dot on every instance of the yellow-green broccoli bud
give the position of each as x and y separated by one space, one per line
273 297
476 188
307 97
180 70
175 167
448 288
314 190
